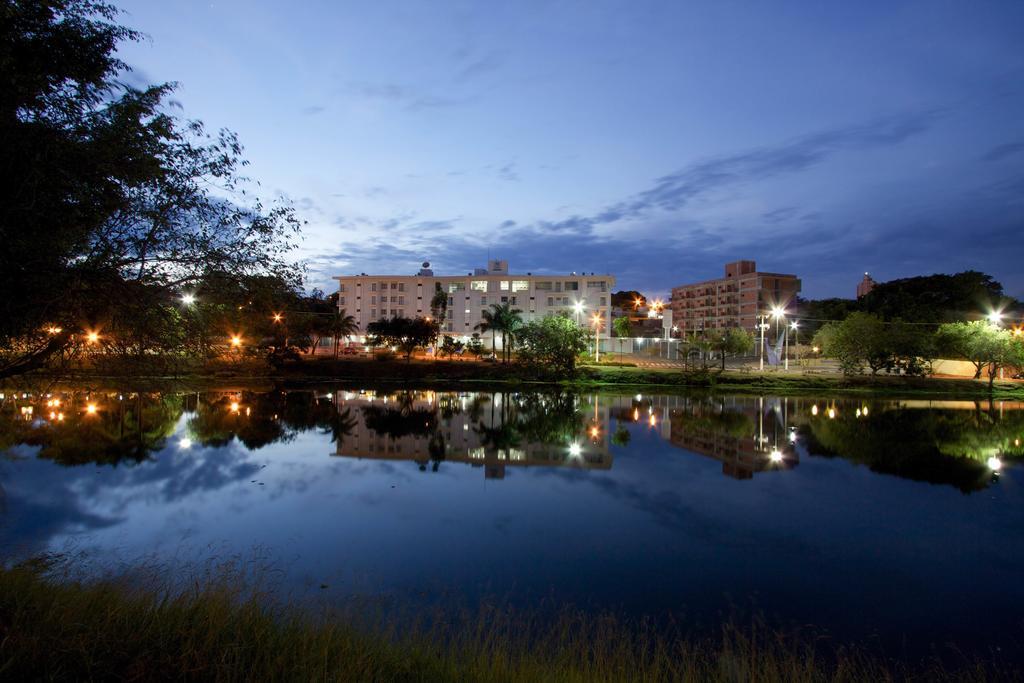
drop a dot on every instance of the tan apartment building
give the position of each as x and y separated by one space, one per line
371 297
735 300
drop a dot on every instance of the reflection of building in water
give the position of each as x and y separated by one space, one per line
492 431
747 435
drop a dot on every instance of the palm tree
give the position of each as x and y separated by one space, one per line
488 323
341 325
510 320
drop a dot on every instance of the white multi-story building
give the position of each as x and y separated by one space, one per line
578 295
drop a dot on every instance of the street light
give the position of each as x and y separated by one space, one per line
597 337
995 317
796 331
188 299
578 308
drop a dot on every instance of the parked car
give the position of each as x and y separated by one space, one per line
352 349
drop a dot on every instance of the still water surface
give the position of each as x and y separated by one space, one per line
900 520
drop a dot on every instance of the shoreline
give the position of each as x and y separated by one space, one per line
471 375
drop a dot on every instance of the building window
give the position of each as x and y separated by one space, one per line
572 286
504 299
478 285
341 287
551 301
456 287
373 314
373 299
373 286
341 301
483 301
401 286
520 285
542 286
401 300
604 301
504 285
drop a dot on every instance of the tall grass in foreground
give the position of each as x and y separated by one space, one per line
220 628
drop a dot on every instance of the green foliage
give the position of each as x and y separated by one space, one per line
439 304
226 627
983 344
934 298
622 327
475 346
627 299
736 342
865 339
450 346
107 195
553 343
405 334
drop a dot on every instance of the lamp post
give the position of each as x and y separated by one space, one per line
796 340
578 309
597 337
761 325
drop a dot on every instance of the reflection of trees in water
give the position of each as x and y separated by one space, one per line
264 418
707 418
399 422
937 446
124 428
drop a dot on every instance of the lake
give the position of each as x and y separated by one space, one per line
888 521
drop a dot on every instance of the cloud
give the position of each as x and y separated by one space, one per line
406 97
1000 152
677 190
481 66
508 172
312 110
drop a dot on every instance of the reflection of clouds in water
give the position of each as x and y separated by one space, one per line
46 500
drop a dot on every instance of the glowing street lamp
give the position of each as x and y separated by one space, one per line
236 341
596 321
188 299
93 337
995 317
578 309
277 317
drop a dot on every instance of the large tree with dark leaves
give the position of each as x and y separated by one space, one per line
105 193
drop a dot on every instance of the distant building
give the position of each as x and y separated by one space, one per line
735 300
371 297
865 286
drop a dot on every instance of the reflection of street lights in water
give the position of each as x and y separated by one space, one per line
994 464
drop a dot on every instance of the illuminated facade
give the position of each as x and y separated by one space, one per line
371 297
735 300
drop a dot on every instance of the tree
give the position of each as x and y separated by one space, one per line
340 325
735 341
855 341
983 344
934 298
450 346
488 323
553 343
628 299
103 186
439 304
508 321
475 346
406 334
623 328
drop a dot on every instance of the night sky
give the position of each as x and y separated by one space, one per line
655 141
